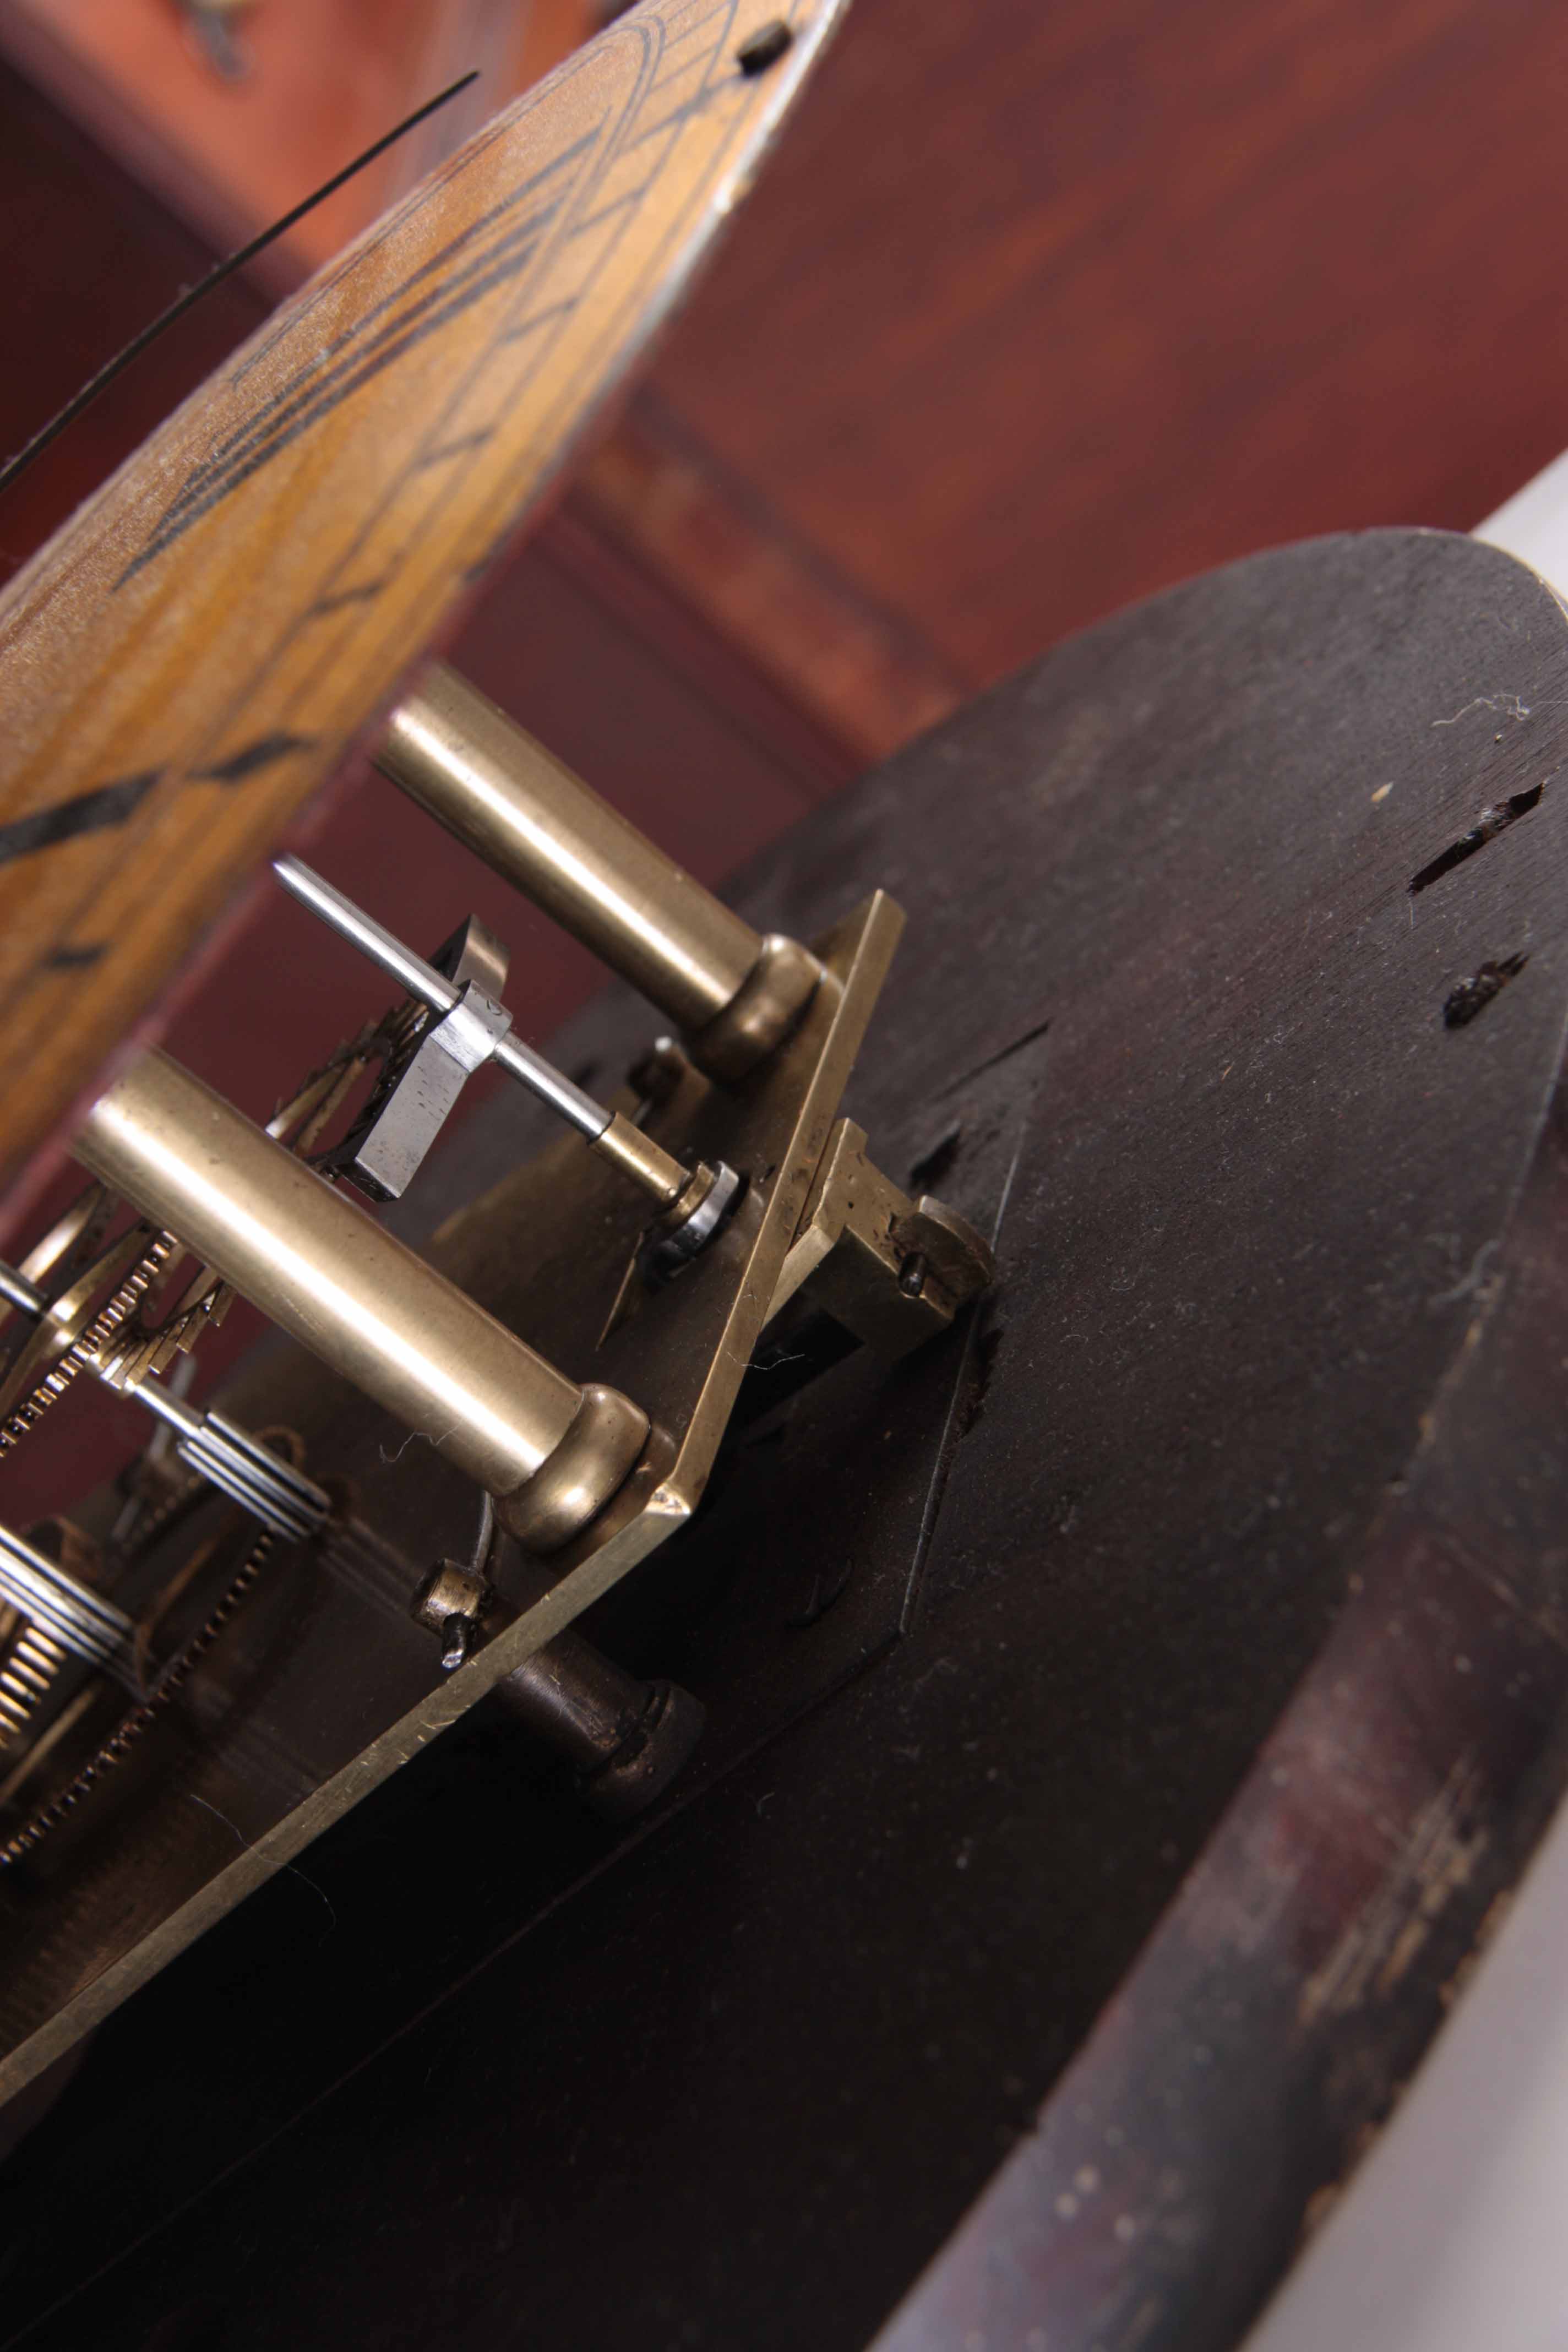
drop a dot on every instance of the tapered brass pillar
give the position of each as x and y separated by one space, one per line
551 1453
734 993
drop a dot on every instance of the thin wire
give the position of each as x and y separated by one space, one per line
214 275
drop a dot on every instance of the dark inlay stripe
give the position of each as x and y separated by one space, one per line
632 196
94 812
72 958
486 255
365 594
459 448
260 754
545 318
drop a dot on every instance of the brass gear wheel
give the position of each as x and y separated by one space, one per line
54 1349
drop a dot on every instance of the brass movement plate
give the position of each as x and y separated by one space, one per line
194 653
327 1681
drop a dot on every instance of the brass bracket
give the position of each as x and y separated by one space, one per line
893 1271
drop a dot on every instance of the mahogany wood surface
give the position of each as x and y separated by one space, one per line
323 81
90 257
1073 301
1040 308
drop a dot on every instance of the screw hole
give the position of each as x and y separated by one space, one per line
765 49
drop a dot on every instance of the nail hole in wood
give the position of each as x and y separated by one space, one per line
1487 827
765 49
1473 995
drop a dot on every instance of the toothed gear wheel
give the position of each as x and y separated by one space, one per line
77 1328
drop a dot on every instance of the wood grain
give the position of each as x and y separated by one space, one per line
1242 1167
1041 310
1137 288
657 495
195 651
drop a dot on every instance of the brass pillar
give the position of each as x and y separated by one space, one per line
551 1453
734 993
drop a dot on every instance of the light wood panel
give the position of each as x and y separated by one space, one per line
1043 307
191 656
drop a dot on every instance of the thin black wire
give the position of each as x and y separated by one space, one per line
214 275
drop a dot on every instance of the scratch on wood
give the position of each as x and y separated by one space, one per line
1436 1858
